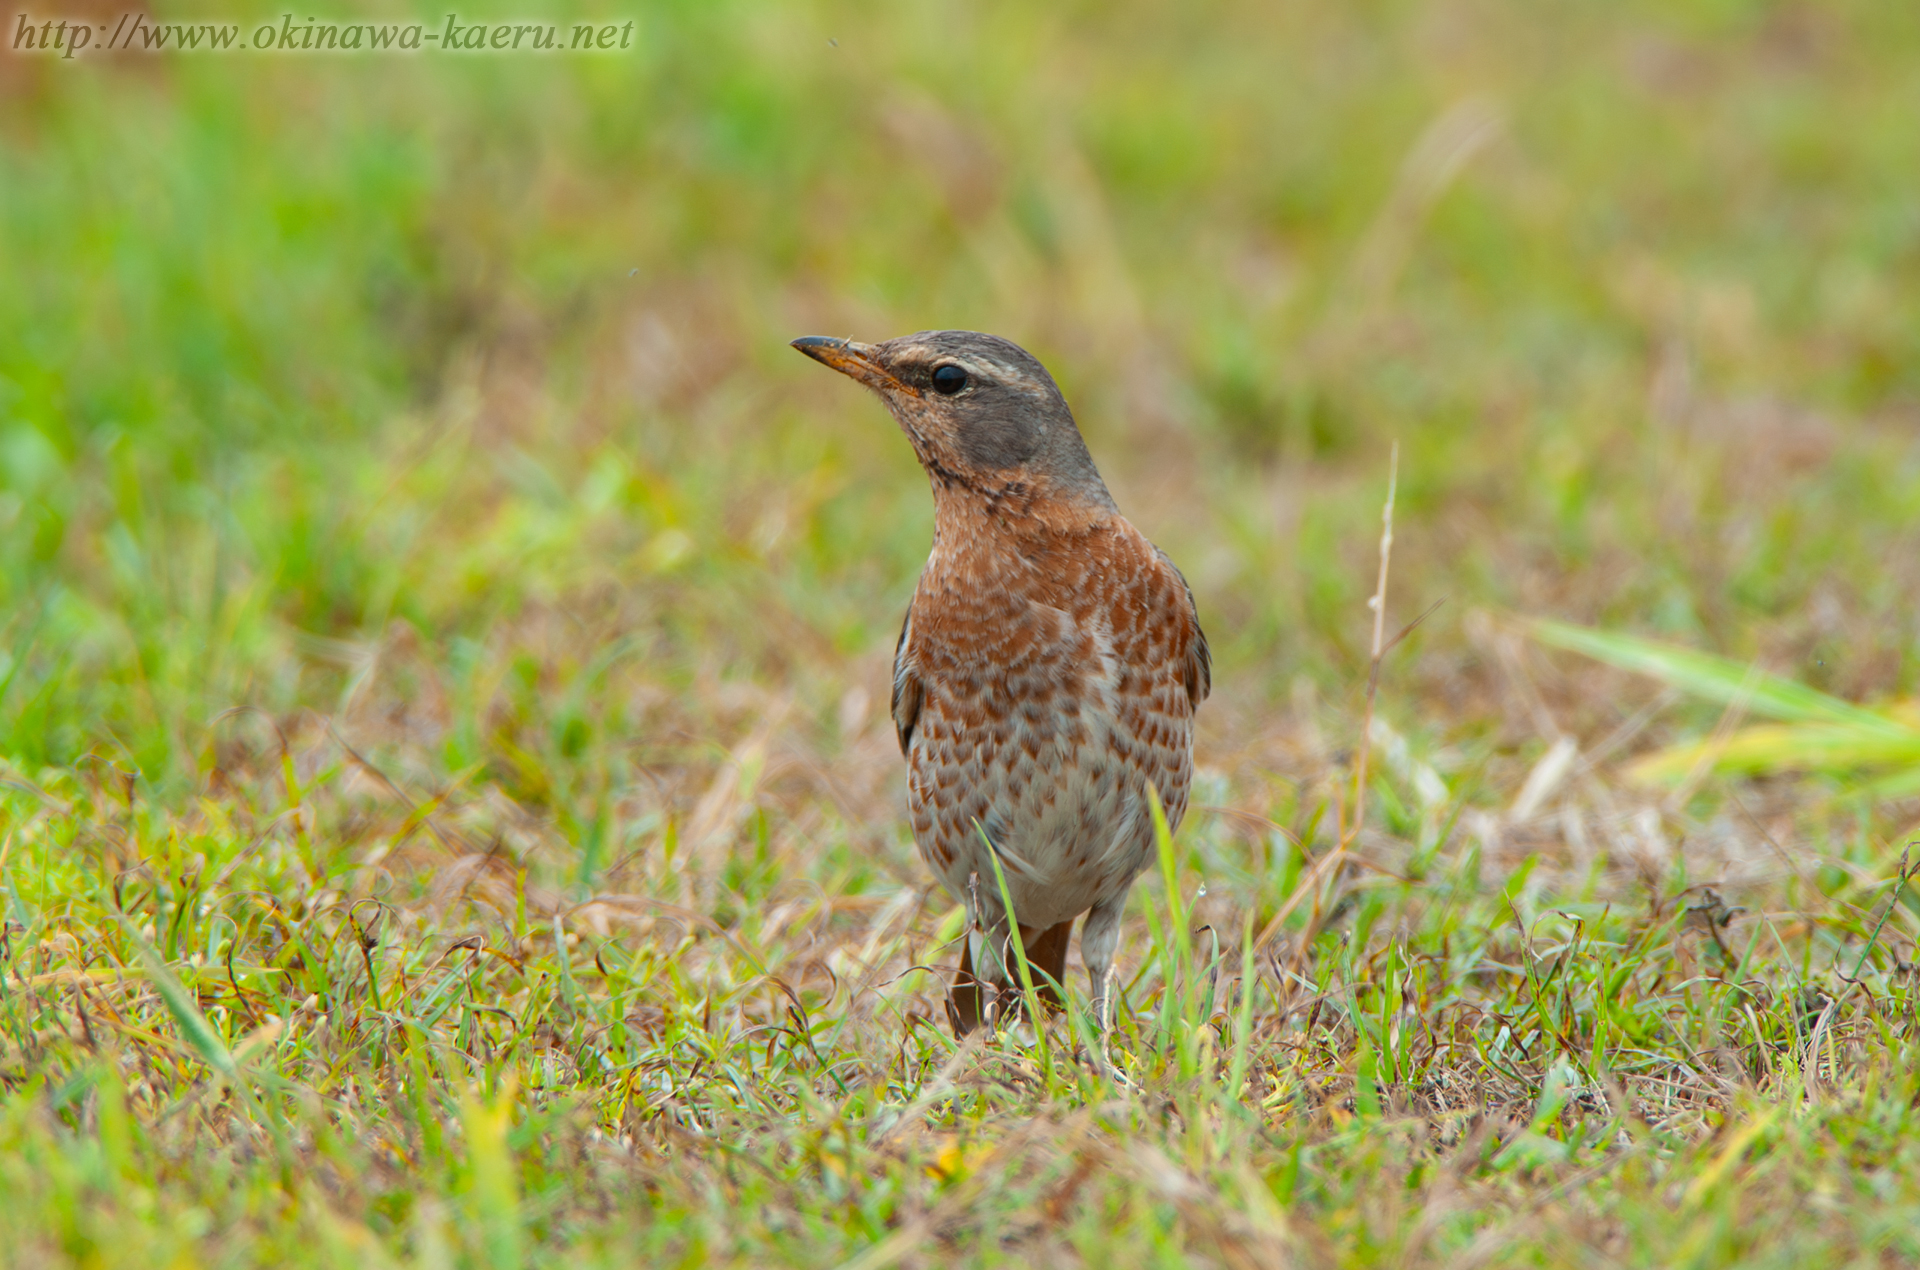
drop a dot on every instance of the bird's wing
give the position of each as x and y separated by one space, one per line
1199 660
908 689
1199 666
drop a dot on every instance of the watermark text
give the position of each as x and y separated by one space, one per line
140 33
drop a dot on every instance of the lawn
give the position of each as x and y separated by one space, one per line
448 810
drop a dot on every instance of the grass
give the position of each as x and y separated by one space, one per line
446 811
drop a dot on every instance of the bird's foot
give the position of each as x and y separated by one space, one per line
1106 988
1103 1063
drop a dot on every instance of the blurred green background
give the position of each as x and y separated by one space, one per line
417 538
474 368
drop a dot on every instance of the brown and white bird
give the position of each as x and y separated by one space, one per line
1049 667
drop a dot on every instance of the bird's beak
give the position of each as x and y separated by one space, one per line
857 361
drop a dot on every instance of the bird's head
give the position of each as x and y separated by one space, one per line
982 413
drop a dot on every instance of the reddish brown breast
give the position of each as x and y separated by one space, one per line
1047 673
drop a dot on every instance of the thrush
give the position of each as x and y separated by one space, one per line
1048 670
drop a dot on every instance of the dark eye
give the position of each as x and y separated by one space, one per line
948 379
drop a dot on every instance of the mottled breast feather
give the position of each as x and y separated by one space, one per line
1046 676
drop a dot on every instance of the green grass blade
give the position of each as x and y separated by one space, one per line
193 1025
495 1193
1027 992
1177 1005
1778 748
1715 678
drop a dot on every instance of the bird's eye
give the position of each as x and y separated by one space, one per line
948 379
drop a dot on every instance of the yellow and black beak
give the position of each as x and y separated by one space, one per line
858 361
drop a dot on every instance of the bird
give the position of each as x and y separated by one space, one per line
1047 673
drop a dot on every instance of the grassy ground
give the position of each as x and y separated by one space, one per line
447 810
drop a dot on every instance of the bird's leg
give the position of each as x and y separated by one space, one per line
990 941
999 975
986 975
1099 940
978 944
